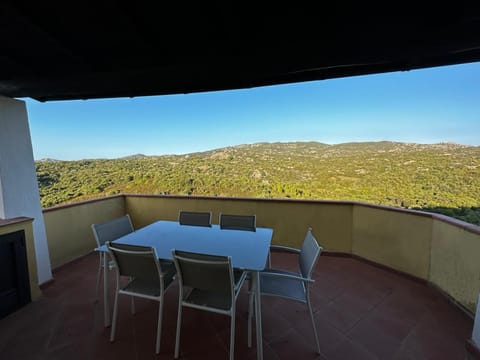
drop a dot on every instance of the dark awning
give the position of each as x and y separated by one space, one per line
78 50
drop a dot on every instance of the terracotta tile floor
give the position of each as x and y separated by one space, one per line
361 312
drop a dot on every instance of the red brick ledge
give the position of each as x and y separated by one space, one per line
473 351
79 203
309 201
17 220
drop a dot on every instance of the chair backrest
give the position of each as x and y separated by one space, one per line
238 222
112 230
138 262
205 272
309 254
196 218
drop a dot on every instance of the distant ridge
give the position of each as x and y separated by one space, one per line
294 145
47 160
442 177
299 145
133 157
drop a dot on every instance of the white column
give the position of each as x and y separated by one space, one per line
19 195
476 325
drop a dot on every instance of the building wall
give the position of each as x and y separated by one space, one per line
69 227
19 195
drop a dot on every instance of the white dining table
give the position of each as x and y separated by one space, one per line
248 251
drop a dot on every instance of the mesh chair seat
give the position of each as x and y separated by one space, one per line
195 218
212 298
149 279
283 287
237 222
241 223
109 231
143 287
211 287
149 287
291 285
205 298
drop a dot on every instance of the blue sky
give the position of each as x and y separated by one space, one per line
423 106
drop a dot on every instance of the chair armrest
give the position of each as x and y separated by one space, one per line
281 248
286 275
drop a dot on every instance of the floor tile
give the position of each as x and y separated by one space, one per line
360 311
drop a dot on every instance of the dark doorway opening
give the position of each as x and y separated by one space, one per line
14 279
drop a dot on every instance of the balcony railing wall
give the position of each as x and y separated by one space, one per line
455 261
331 221
431 247
69 234
400 240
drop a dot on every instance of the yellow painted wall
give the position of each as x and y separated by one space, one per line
331 222
455 263
26 226
417 244
399 240
68 228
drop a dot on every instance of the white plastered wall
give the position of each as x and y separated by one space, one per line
19 195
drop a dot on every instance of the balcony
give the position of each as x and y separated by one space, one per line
392 284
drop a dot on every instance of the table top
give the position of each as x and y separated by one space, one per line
248 249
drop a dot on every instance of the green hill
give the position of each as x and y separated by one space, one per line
442 177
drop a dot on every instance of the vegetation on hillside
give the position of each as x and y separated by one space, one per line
442 178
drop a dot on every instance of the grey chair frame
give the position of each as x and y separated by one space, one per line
147 280
195 218
199 279
242 223
109 231
291 285
238 222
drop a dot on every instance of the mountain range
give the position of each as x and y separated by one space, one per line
442 177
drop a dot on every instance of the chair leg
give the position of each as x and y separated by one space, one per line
313 324
99 276
114 320
251 298
132 305
232 332
159 325
179 325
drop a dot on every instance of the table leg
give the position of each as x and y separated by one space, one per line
258 313
106 307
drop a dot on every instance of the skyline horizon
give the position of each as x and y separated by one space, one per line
260 142
425 106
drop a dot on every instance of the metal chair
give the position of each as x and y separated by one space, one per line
195 218
109 231
148 279
211 287
237 222
291 285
